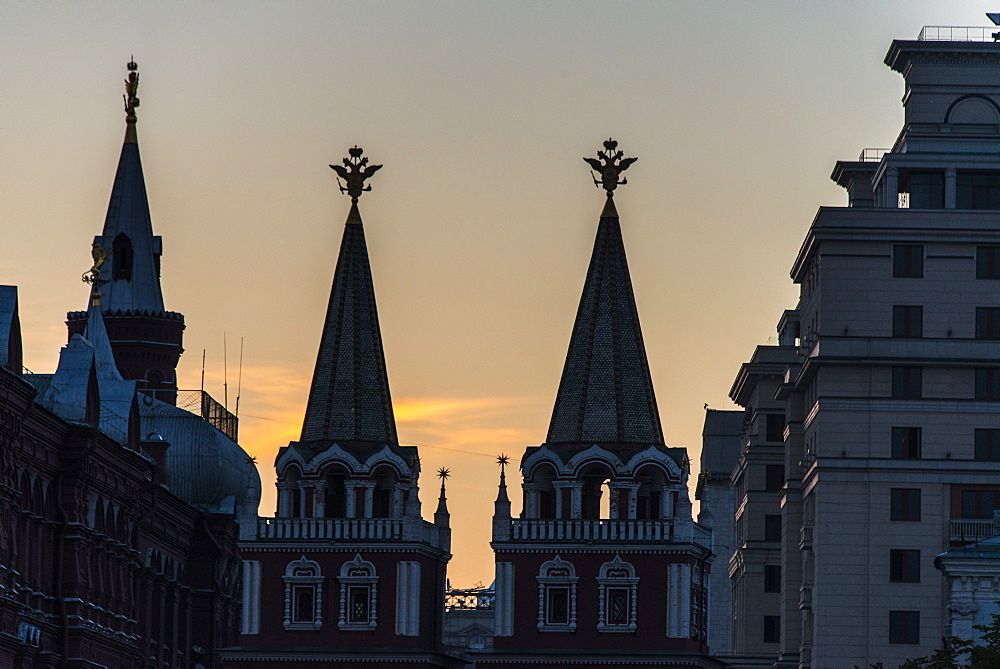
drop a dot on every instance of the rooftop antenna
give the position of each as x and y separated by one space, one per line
203 370
239 379
995 18
225 374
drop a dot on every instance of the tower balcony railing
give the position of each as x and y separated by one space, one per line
956 34
353 529
592 530
968 530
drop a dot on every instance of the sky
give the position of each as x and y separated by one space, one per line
481 223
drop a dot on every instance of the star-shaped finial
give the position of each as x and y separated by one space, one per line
443 473
252 460
503 460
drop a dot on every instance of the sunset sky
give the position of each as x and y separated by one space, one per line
481 223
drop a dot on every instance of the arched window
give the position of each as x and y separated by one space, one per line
619 588
649 502
596 498
557 596
121 258
303 595
358 595
545 506
335 495
385 483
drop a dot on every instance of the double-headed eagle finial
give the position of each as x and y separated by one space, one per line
131 90
612 166
354 171
92 276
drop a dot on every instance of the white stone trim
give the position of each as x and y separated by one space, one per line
408 598
251 597
617 574
556 573
358 573
503 604
303 573
679 601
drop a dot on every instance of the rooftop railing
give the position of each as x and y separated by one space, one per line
352 529
592 530
872 155
957 34
968 530
201 404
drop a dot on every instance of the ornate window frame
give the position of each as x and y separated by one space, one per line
615 578
303 578
554 577
358 586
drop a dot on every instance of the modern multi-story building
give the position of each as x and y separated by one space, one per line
348 571
606 565
886 384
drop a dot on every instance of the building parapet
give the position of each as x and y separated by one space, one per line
955 34
968 530
592 530
353 529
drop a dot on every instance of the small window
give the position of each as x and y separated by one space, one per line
907 383
906 443
557 606
988 262
904 566
926 190
772 578
908 261
617 603
907 322
774 477
904 504
775 427
303 595
904 626
358 597
987 323
977 190
988 383
979 503
772 527
304 611
121 258
988 445
557 596
618 588
772 629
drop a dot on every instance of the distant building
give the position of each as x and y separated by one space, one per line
348 571
720 451
606 565
887 382
118 545
469 618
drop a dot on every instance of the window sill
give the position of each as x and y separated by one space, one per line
616 628
303 626
356 627
557 628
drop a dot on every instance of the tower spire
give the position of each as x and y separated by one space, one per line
501 507
606 391
441 517
349 399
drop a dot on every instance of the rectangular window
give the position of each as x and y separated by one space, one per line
303 610
772 578
772 629
557 606
908 322
774 477
906 443
988 262
978 503
988 445
987 323
926 190
904 626
908 261
904 566
775 427
977 190
904 504
358 604
988 383
907 383
772 527
617 603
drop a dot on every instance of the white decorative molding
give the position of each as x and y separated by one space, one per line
303 595
679 601
614 578
408 599
555 576
503 605
251 597
358 595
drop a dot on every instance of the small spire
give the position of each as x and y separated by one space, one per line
501 507
354 172
441 516
503 461
131 101
612 166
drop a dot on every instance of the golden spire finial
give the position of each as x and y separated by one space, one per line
354 172
611 168
131 90
92 276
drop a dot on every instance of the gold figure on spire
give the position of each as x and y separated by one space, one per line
354 171
611 168
131 89
92 276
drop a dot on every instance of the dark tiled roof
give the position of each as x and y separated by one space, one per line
606 393
349 398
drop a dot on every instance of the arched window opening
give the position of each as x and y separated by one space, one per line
121 257
596 497
546 492
618 591
335 495
358 595
293 491
557 596
385 484
652 487
303 595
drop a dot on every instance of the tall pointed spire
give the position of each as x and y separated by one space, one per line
606 391
349 398
441 516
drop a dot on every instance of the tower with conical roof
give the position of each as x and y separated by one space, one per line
605 561
146 339
348 570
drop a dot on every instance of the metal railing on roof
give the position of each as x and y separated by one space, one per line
201 404
872 155
956 34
